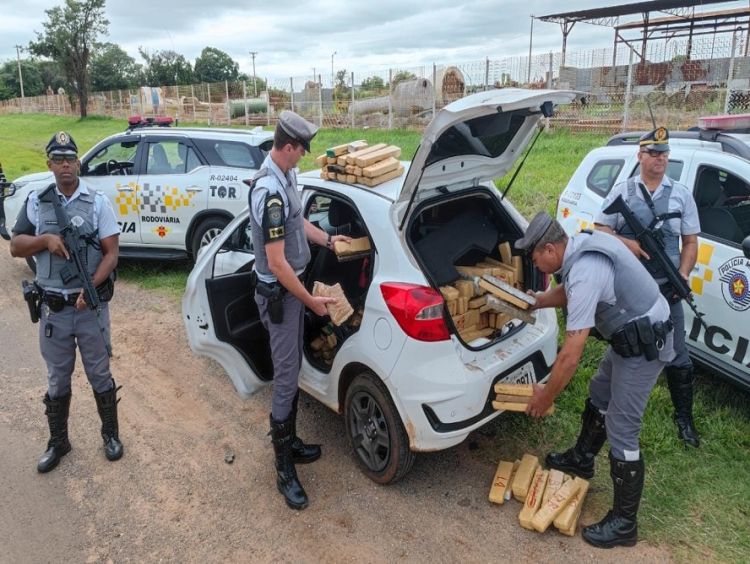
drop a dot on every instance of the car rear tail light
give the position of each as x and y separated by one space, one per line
417 309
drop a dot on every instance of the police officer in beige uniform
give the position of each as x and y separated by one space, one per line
669 210
66 322
606 287
280 236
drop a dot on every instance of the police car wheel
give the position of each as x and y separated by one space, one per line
376 433
32 264
207 231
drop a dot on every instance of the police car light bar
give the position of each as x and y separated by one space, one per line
725 123
157 121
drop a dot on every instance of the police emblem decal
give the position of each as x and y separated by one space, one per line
660 134
62 138
734 276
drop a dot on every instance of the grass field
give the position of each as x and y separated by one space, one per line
695 501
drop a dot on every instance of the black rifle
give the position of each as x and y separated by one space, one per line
650 243
76 243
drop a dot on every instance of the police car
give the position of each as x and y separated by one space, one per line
403 377
173 189
714 162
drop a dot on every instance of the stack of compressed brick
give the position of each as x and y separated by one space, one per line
548 496
489 296
359 163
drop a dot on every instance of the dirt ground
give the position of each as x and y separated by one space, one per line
172 497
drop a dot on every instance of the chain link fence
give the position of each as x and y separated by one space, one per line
679 81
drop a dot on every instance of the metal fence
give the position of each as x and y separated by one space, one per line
679 86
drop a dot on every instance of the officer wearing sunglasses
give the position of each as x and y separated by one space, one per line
669 210
65 320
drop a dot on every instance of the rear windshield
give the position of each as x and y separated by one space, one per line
487 136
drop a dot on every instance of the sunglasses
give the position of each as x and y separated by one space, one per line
655 154
60 159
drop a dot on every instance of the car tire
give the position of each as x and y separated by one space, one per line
31 261
207 231
376 433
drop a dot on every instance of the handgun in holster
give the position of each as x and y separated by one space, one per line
33 298
647 338
274 293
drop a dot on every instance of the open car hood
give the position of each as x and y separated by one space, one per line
476 139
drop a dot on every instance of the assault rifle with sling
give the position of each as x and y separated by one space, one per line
76 243
655 250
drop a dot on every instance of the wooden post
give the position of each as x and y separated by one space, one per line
210 108
351 108
268 103
434 88
226 101
291 88
192 99
628 93
486 74
320 102
244 97
390 101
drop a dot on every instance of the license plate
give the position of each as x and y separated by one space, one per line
522 375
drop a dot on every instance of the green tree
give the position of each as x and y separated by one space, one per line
341 89
166 68
52 75
214 65
402 75
70 33
113 69
33 83
373 83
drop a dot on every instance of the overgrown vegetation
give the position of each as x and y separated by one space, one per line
697 502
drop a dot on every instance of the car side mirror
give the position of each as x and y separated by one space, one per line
746 247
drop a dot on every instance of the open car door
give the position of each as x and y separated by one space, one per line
219 310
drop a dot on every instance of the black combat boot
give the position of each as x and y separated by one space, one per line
680 382
58 445
282 435
620 526
301 453
579 460
106 405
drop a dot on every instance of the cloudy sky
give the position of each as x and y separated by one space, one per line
294 37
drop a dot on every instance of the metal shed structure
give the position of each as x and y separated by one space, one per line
679 20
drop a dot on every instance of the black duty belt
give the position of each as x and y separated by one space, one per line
56 301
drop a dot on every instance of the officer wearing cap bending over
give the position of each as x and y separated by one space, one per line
65 320
603 286
669 210
280 236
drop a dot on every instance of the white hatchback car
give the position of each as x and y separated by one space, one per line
404 379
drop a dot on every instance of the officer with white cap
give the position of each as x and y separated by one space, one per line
280 236
669 210
604 287
66 322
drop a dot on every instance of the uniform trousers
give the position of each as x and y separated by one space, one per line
682 358
286 351
620 391
59 335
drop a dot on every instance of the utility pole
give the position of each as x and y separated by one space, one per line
333 76
531 39
255 86
20 74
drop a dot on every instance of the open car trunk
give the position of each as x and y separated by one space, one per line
458 237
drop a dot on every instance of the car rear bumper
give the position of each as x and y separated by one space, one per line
446 395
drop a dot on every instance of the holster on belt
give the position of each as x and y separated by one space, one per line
640 337
274 293
647 338
33 298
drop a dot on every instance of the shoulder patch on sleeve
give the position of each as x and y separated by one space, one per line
273 218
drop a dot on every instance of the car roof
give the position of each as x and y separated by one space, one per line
256 135
727 142
389 190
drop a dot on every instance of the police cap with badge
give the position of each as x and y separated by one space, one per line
297 127
537 229
62 145
656 140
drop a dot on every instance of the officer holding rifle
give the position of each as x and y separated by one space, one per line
71 231
668 210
